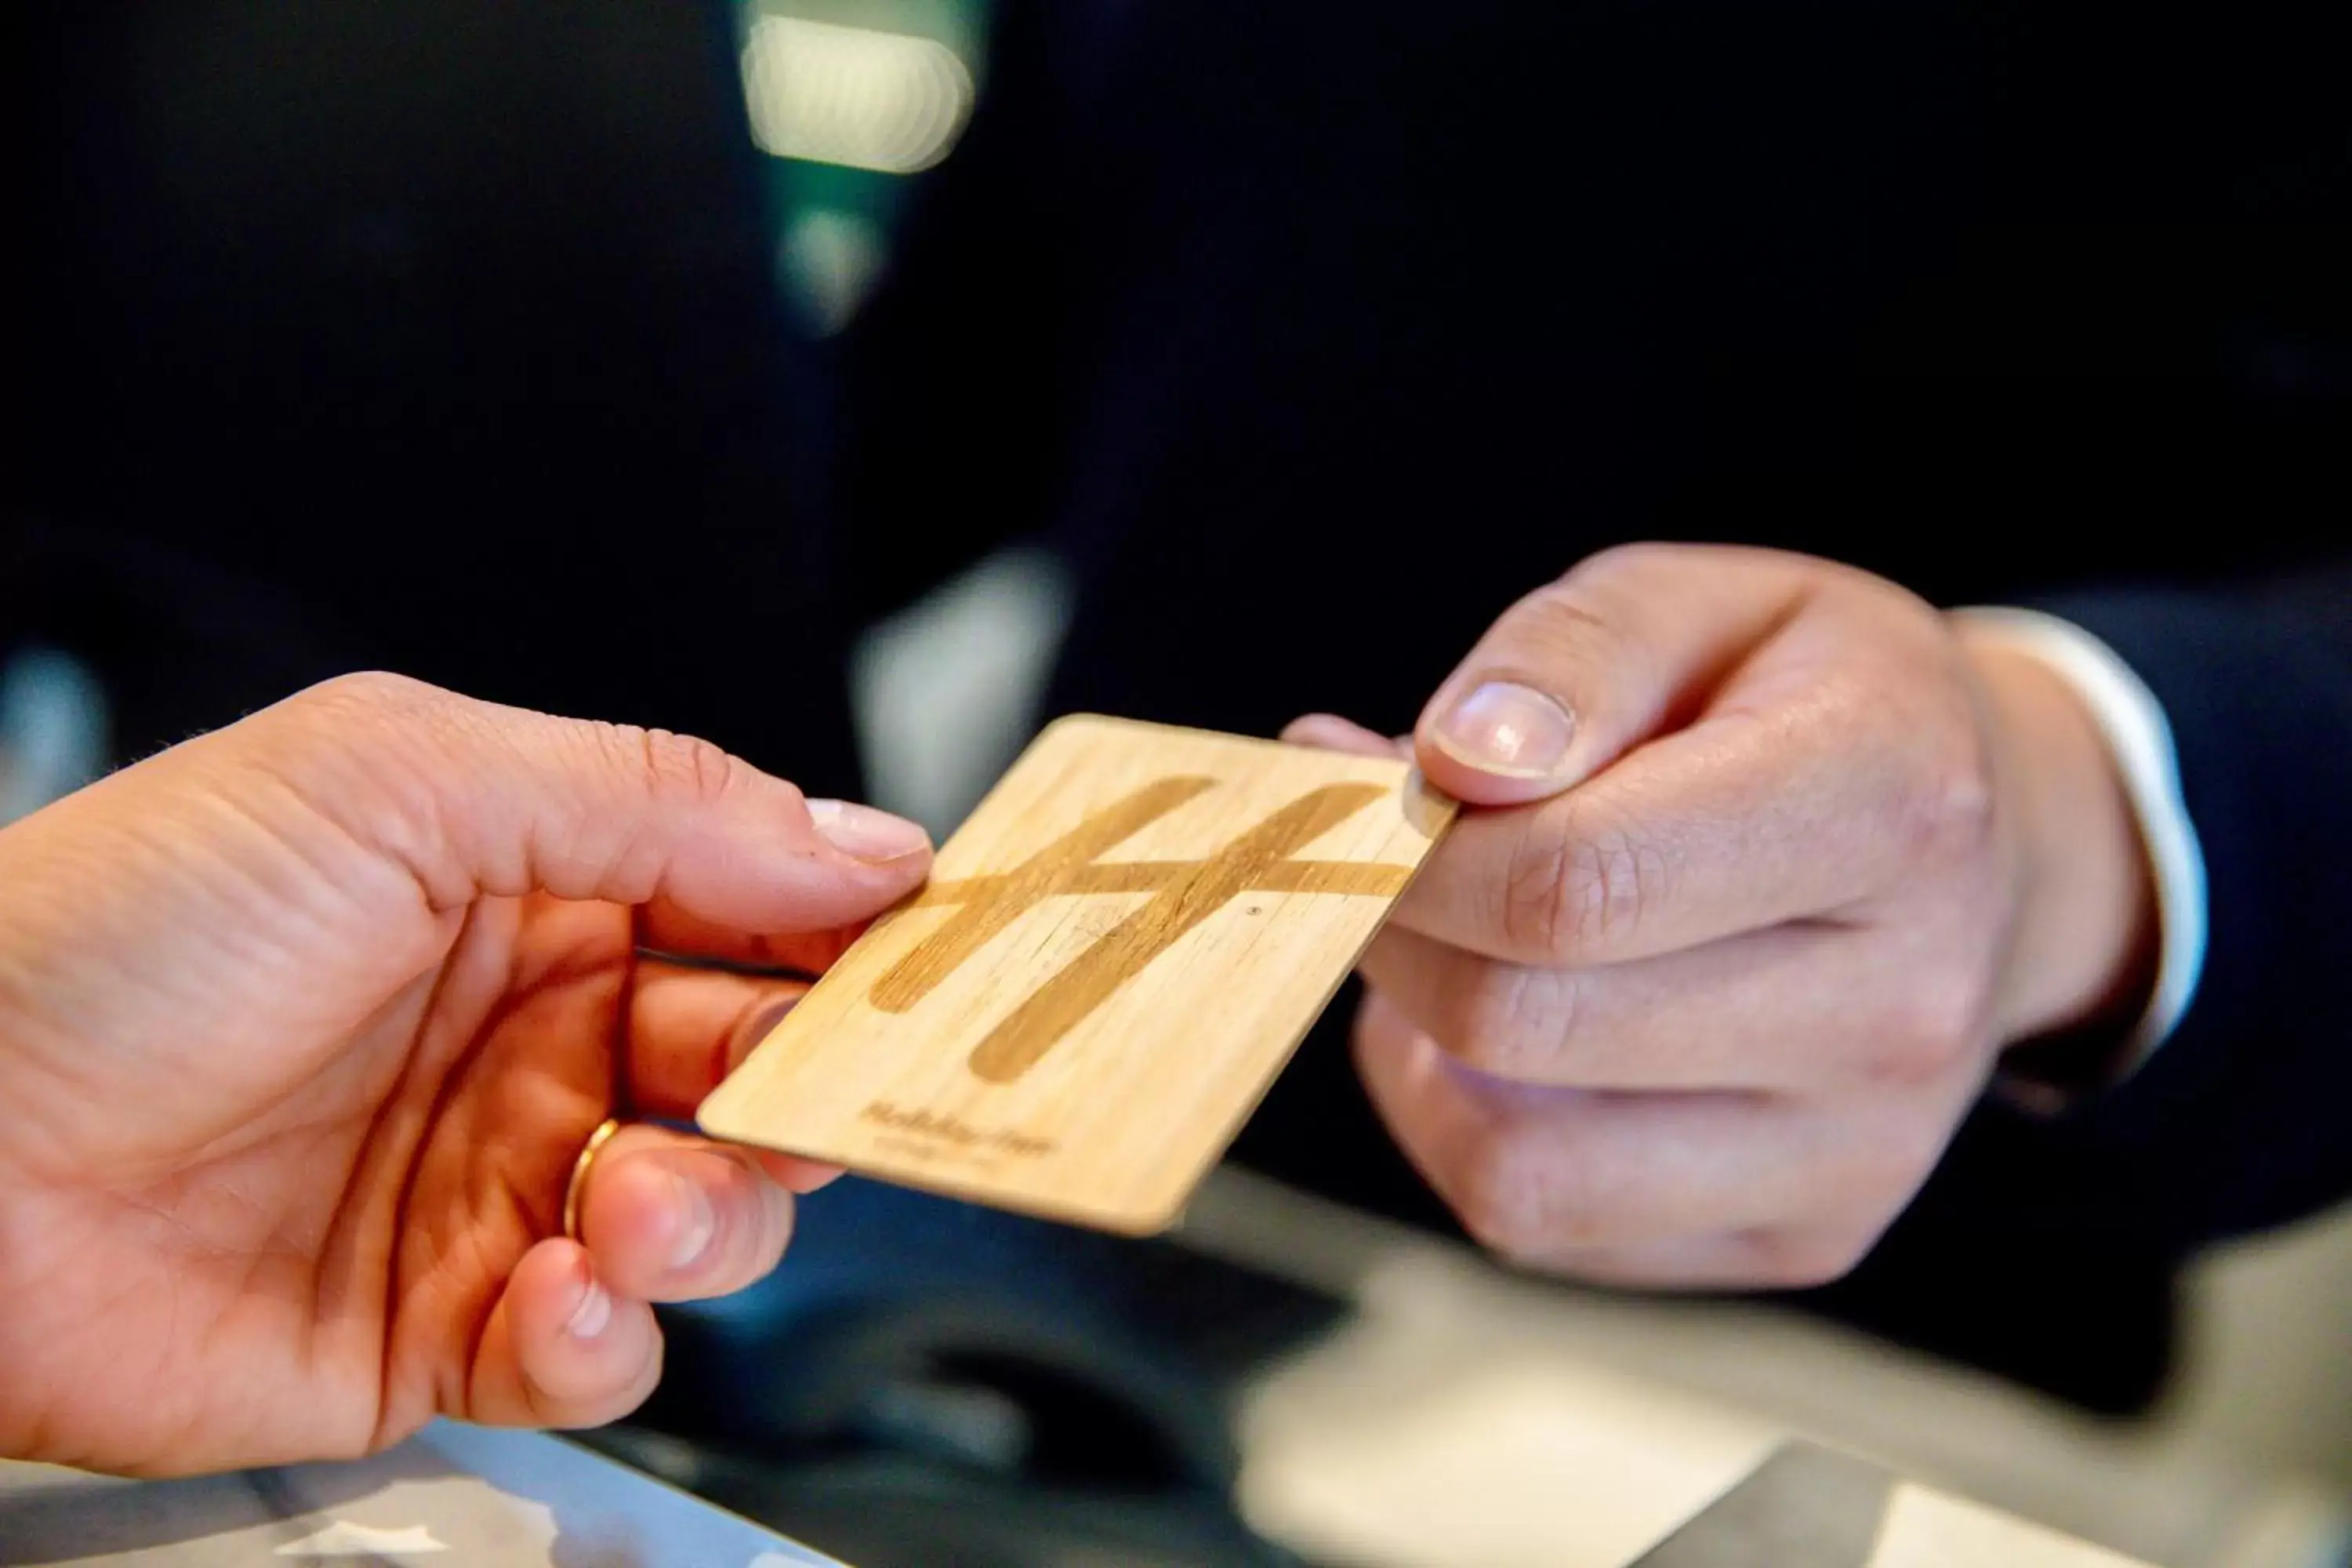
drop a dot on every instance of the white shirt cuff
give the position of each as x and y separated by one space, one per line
2141 739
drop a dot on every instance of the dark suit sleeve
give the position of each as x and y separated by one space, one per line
2238 1122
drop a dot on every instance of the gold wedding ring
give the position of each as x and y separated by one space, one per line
588 1152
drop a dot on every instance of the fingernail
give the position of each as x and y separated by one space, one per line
756 1029
1332 732
593 1312
697 1225
1504 728
875 836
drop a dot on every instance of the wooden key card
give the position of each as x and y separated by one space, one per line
1114 957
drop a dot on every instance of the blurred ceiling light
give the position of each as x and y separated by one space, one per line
887 101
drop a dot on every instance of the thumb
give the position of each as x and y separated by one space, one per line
475 799
1584 669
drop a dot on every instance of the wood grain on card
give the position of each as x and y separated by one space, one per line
1114 957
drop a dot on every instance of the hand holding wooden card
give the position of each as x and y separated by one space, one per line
1114 957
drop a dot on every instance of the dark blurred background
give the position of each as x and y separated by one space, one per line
774 372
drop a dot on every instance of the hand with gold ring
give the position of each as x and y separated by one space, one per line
306 1027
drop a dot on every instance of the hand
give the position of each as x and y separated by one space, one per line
1766 862
302 1027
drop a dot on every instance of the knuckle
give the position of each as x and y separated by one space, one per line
1514 1019
1578 619
1935 1028
1500 1200
1627 571
1931 797
372 694
1522 1200
1948 810
1576 886
1960 809
1535 894
676 766
369 749
1635 554
1573 608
